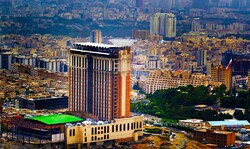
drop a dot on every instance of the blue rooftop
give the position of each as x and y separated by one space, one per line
229 123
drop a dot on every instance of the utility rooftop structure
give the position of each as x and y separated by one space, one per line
99 80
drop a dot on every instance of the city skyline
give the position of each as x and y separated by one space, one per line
124 74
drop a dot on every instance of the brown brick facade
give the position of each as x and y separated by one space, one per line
221 138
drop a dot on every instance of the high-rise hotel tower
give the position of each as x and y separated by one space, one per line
99 80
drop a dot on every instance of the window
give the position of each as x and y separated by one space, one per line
116 128
104 129
124 127
113 128
128 126
70 132
85 139
120 127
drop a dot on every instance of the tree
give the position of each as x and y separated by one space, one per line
221 90
177 103
238 114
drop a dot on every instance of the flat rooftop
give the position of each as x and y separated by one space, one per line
96 48
100 45
229 123
121 42
214 131
35 98
54 119
192 121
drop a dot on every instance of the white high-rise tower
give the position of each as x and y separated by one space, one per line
163 24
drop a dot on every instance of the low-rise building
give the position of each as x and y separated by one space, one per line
43 102
45 131
221 138
193 123
140 34
155 37
228 124
89 132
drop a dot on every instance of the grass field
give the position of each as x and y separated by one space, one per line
56 119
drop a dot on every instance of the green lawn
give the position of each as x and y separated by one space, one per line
56 119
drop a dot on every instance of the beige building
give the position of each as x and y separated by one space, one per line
228 78
87 132
193 123
140 34
218 74
221 75
159 79
166 83
155 37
